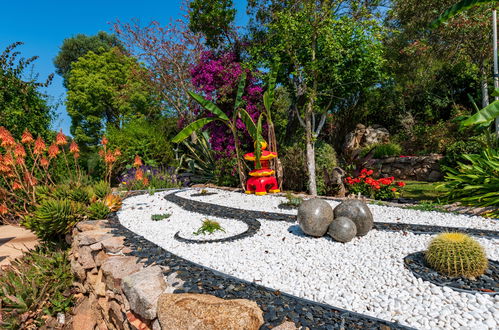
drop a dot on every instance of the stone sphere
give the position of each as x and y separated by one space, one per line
314 217
342 229
357 211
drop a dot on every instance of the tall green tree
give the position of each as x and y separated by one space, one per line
214 19
329 53
75 47
22 104
106 89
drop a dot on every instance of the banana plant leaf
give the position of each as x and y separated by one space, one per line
485 116
192 127
208 105
250 125
240 91
456 9
258 142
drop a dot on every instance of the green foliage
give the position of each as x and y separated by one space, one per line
54 218
383 150
427 206
456 255
209 226
325 161
98 210
101 189
143 137
35 286
455 151
199 158
79 45
456 9
475 183
23 105
225 173
213 18
159 217
485 116
292 200
80 194
106 88
424 191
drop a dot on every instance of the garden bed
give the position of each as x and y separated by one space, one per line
366 276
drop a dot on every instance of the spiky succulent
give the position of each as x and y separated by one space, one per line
113 202
101 189
62 191
455 255
80 194
54 218
98 210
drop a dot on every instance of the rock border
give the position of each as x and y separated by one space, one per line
485 284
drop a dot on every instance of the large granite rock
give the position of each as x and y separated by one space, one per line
365 136
357 211
198 311
342 229
116 268
142 290
314 217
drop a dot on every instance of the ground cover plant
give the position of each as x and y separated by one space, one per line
209 227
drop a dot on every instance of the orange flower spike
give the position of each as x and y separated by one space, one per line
117 153
61 139
7 140
76 155
145 181
8 160
53 151
73 148
139 175
104 140
39 146
16 185
137 161
44 162
27 138
3 209
20 161
109 159
30 179
3 132
19 151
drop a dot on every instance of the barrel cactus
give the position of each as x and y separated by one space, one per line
456 254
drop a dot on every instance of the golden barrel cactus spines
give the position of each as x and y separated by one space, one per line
456 254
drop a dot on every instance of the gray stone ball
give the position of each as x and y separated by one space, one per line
314 217
357 211
342 229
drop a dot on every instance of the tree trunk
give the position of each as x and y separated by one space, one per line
310 149
485 87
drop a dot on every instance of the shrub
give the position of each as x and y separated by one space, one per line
292 200
383 150
144 177
98 210
34 287
141 137
366 185
455 151
456 254
325 160
54 218
101 189
477 182
226 172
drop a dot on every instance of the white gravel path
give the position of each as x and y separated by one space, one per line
366 275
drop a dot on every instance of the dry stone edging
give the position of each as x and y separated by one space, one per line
117 291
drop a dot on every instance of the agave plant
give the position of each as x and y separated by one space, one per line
200 158
476 183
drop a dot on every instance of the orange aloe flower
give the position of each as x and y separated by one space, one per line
20 161
27 138
137 161
53 151
8 160
30 179
7 139
76 155
145 181
60 139
44 162
117 153
19 151
109 158
73 148
104 140
16 185
39 146
3 209
139 175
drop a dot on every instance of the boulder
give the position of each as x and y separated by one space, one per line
314 217
116 268
365 136
357 211
198 311
142 290
342 229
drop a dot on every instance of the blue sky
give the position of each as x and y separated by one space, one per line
43 24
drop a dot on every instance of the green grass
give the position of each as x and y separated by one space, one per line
424 191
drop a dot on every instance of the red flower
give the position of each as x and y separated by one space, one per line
44 162
394 189
27 138
104 140
73 148
137 161
20 161
400 184
16 185
370 172
60 139
39 146
19 151
3 209
53 151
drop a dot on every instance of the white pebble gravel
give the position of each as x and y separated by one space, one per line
366 275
